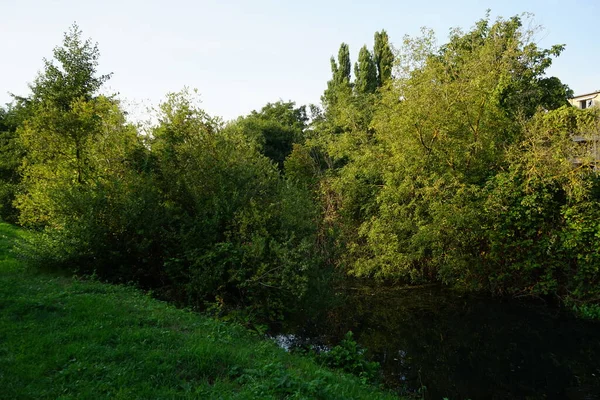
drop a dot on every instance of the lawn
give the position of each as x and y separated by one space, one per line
68 338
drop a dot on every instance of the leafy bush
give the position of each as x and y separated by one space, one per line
350 357
197 214
587 311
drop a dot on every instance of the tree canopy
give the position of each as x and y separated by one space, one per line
452 163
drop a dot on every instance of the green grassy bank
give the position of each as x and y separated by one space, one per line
65 338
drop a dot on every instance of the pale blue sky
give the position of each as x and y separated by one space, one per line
243 54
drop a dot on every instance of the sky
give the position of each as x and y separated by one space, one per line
241 55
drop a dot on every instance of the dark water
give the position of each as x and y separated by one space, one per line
440 344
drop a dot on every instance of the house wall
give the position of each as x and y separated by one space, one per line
593 97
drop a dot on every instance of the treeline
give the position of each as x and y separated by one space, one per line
452 163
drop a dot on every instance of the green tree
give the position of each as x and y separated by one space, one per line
240 234
365 72
340 83
412 190
343 68
383 57
274 129
70 75
553 93
65 125
11 158
541 212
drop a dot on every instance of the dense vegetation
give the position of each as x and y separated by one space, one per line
67 338
451 163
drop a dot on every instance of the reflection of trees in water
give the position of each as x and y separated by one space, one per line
467 347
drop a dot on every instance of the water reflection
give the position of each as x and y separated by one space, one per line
466 347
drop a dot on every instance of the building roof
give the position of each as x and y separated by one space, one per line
597 92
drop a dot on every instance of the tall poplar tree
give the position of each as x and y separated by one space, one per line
341 71
384 58
365 72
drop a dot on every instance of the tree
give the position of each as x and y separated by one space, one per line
349 106
383 57
411 192
237 231
340 82
541 213
553 93
365 72
71 74
11 157
274 129
193 211
65 119
343 68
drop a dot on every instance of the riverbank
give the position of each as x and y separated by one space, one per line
68 338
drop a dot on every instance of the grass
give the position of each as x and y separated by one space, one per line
66 338
8 236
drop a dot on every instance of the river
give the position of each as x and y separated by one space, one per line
436 343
